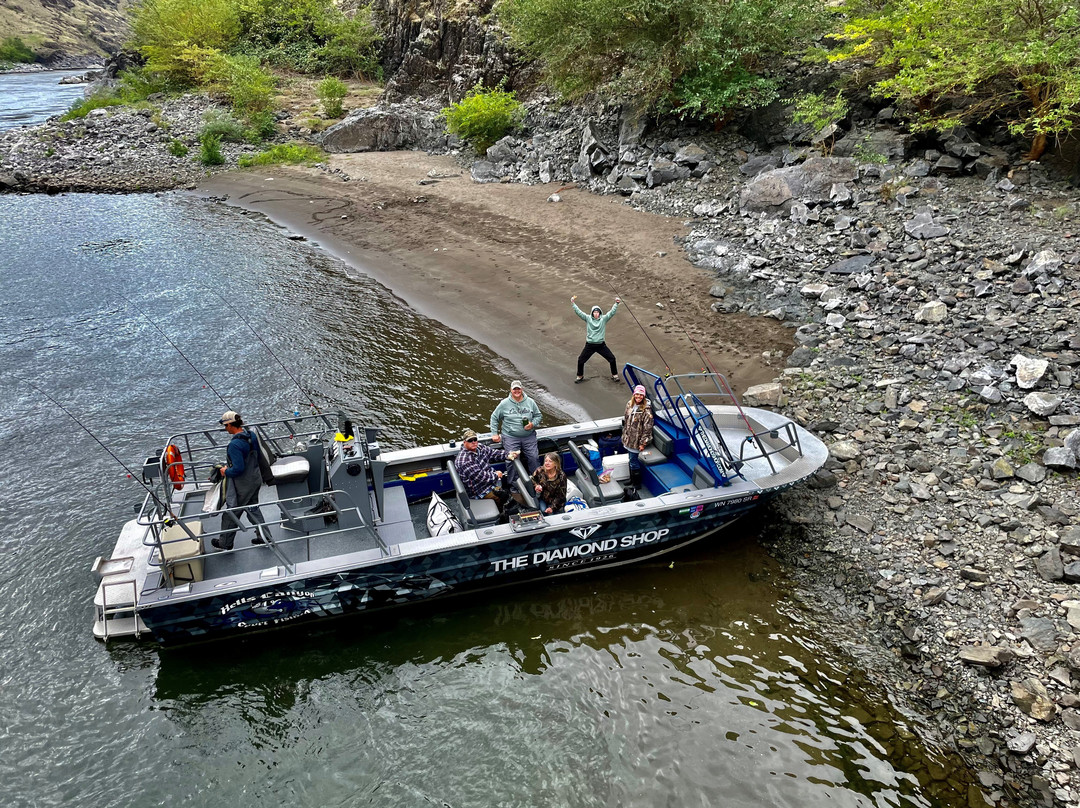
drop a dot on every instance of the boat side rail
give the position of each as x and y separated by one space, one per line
154 538
284 436
791 441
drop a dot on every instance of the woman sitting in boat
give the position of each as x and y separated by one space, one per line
549 481
637 430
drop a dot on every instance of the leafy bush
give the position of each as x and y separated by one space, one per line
311 36
13 49
291 153
331 91
814 111
482 117
1018 59
224 127
162 29
261 126
697 58
82 108
210 150
178 149
250 88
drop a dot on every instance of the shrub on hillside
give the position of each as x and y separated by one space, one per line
312 36
331 92
224 127
483 116
698 58
1018 60
13 49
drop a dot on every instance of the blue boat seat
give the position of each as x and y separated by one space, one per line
703 478
586 478
474 513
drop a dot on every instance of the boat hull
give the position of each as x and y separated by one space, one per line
475 565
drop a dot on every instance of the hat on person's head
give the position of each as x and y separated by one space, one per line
639 389
596 308
231 418
516 385
468 434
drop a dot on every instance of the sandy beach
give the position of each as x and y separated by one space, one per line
499 263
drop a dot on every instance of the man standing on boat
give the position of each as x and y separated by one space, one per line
514 423
242 482
473 463
595 334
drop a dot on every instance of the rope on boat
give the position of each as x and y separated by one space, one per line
176 347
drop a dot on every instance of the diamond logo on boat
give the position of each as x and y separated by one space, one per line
584 532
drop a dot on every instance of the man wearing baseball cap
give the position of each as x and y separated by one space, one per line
514 423
242 482
473 463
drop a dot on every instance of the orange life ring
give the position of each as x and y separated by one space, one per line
172 460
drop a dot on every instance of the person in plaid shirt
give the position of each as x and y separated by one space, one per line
474 467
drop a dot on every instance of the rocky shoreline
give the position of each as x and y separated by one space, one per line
114 150
933 291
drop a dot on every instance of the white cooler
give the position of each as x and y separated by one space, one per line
619 466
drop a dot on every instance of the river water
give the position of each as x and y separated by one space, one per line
691 682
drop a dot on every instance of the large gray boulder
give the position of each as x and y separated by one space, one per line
398 126
810 181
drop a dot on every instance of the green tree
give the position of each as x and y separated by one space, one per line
161 29
1017 59
483 116
701 58
313 36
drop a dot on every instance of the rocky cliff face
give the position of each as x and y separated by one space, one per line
439 48
59 29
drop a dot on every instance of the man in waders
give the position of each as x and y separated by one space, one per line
242 483
595 328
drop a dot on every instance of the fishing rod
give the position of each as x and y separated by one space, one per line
244 320
175 347
163 507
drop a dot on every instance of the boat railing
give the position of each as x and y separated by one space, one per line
688 411
705 436
294 511
790 441
283 435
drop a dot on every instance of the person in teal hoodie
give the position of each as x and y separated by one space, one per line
595 333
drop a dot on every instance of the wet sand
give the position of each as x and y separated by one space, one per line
498 262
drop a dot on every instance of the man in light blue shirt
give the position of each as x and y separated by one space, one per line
514 423
595 333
